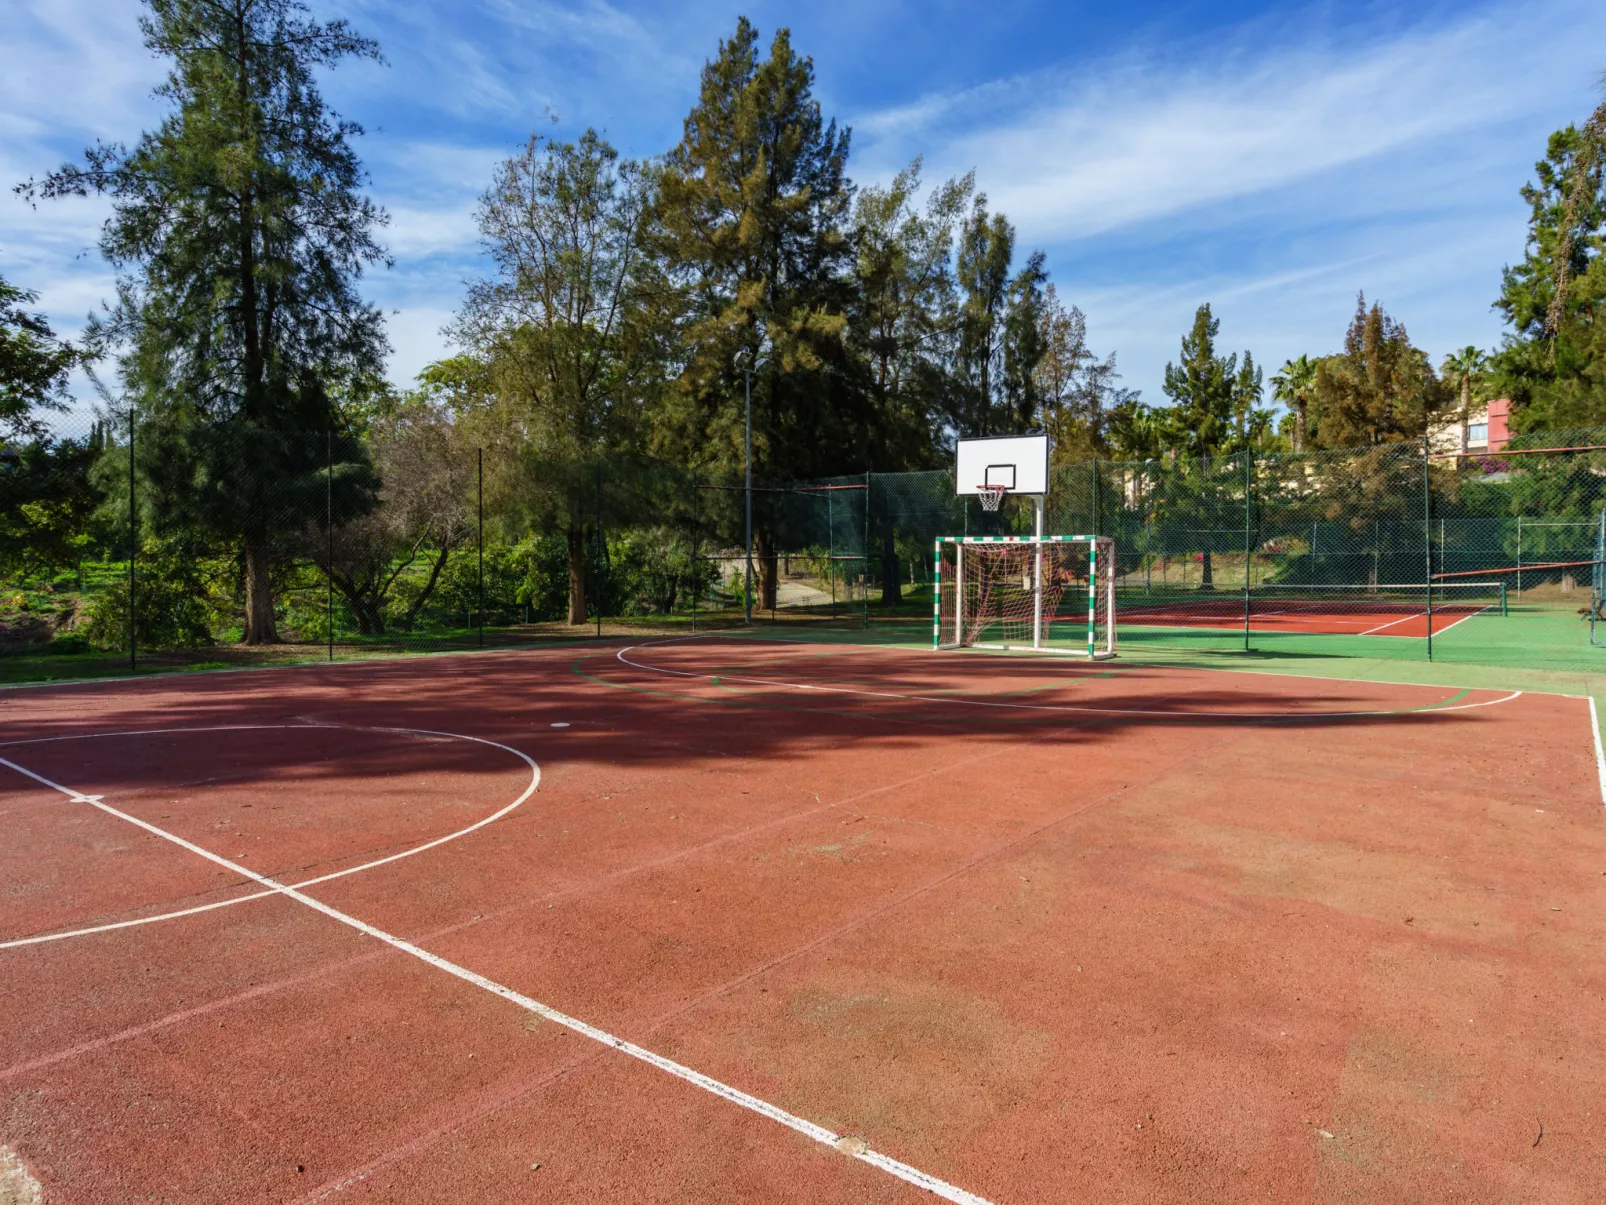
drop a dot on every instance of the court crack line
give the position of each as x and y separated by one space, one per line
825 1137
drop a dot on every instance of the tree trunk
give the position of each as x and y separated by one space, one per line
891 587
430 583
260 627
1207 582
577 575
768 563
1299 424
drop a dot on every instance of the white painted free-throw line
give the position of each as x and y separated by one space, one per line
763 1108
535 781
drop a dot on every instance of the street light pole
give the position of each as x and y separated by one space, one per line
747 593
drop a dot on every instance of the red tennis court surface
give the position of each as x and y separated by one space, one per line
795 922
1296 616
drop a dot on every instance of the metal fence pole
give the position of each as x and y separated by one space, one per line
329 537
602 556
1427 536
133 545
865 549
830 546
479 455
696 547
747 460
1249 473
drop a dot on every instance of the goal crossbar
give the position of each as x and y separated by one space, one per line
1025 592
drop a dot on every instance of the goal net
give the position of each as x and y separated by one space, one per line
1055 594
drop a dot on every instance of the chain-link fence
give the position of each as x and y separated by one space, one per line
226 545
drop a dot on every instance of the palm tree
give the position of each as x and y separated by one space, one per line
1465 364
1292 387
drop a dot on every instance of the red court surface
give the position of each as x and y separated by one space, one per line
799 922
1226 613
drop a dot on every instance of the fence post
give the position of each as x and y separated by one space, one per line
329 536
696 546
133 545
1427 535
865 549
1148 528
602 557
830 546
1519 556
479 457
1249 474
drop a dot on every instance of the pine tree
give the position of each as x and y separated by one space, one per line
750 228
1380 389
1201 386
240 230
1553 364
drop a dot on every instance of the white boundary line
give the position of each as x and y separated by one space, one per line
838 1142
1395 623
1600 754
1184 715
1197 669
1463 619
535 782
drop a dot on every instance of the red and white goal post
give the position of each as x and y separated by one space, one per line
1025 592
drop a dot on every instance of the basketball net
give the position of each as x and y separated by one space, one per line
991 496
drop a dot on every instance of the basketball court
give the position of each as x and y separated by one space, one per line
722 919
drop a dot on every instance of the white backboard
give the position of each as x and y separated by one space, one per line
1017 462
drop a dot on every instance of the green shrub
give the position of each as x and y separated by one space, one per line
172 602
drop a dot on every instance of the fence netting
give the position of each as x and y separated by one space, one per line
228 545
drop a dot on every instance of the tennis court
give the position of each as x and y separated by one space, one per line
728 919
1336 610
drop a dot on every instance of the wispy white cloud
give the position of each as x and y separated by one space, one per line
1273 173
1070 155
1273 170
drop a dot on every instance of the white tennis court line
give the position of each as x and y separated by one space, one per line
1394 622
1463 619
1600 754
838 1142
535 781
952 699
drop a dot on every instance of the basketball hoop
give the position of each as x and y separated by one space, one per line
991 496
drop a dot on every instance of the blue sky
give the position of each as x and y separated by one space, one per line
1271 159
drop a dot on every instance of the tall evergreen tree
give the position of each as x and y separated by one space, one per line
1214 413
1553 361
1202 388
986 249
33 364
750 227
1380 389
903 315
240 229
1076 391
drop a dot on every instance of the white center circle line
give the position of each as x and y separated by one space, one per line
535 781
